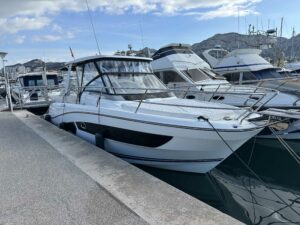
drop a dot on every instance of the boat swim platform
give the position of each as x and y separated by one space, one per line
49 176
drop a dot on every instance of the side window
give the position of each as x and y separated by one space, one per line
95 86
31 83
171 77
89 72
39 82
249 76
232 77
157 74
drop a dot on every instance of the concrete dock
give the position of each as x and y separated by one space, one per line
48 176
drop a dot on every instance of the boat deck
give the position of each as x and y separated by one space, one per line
49 176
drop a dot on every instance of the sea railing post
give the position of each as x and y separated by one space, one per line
141 101
214 93
275 94
185 94
99 98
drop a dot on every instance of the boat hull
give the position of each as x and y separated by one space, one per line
151 144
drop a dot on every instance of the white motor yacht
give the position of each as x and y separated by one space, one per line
33 90
246 66
179 67
293 68
125 109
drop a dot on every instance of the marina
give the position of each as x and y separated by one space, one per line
64 180
170 131
235 185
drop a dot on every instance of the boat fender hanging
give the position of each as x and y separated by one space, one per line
99 139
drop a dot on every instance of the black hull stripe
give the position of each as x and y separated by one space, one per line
166 160
124 135
158 124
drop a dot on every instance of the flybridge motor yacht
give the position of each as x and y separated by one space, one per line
179 67
125 109
246 66
35 90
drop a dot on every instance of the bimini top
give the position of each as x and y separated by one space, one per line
105 57
239 60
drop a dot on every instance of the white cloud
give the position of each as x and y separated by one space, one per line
41 8
20 39
57 28
46 38
230 10
17 15
16 24
53 37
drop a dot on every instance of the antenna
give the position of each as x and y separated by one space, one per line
281 26
92 23
142 33
238 27
292 49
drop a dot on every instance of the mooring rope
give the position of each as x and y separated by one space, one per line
246 165
286 146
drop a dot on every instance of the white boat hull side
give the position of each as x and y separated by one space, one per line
188 150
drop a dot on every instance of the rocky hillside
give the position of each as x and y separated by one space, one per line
230 41
32 66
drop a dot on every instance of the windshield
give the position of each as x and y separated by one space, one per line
196 74
135 83
115 66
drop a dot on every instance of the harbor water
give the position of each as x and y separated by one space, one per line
235 190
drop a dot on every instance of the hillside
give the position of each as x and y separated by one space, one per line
32 66
230 41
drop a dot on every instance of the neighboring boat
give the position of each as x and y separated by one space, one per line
246 66
293 68
33 90
2 88
125 109
179 67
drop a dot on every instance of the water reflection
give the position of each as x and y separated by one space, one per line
233 189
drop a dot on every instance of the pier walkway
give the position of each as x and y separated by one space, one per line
48 176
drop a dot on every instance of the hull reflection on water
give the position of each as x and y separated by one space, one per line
232 188
259 203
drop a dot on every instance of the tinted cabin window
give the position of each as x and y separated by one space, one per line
249 76
266 74
232 77
171 77
196 75
31 81
90 71
157 74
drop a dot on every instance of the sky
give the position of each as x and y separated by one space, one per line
46 29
